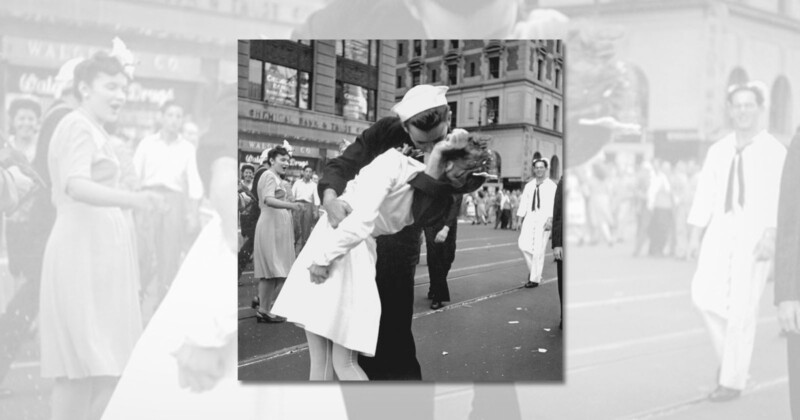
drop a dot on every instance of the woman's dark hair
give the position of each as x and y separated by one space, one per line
275 152
429 119
247 167
474 157
89 69
24 103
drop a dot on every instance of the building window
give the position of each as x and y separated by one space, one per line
356 102
286 86
373 53
435 43
434 76
471 69
492 110
454 44
414 77
539 69
364 52
417 48
558 78
255 80
399 81
452 74
556 110
538 112
471 114
558 46
454 111
400 49
494 67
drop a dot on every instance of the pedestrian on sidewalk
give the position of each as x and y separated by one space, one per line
273 250
440 243
557 242
89 304
787 268
536 211
304 192
330 291
166 163
736 203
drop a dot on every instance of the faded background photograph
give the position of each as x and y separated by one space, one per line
650 90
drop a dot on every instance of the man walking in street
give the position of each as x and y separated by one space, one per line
536 211
558 245
736 203
787 268
166 163
440 243
304 191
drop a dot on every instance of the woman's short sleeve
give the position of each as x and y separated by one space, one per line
77 154
267 186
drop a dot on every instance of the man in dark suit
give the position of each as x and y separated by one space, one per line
558 245
440 242
787 267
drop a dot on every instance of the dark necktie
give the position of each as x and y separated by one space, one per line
536 202
736 171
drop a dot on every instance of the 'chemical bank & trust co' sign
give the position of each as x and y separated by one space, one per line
300 118
258 147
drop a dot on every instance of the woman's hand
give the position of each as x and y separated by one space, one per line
319 273
336 208
458 139
200 368
150 201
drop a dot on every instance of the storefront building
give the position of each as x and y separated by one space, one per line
509 90
314 95
682 75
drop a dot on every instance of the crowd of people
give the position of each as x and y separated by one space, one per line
493 206
96 227
646 204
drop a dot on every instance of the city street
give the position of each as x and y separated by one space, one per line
492 330
637 349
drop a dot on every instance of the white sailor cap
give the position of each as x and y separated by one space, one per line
420 98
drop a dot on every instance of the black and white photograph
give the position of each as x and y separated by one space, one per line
397 203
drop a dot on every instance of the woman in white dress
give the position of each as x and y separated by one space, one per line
331 290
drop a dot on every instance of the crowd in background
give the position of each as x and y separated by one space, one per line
646 204
492 206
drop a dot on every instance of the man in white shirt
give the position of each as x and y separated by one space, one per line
304 191
166 162
736 203
536 209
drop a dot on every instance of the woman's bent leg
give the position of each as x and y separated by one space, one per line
345 362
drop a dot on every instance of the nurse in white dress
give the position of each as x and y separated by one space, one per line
536 209
736 202
331 290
